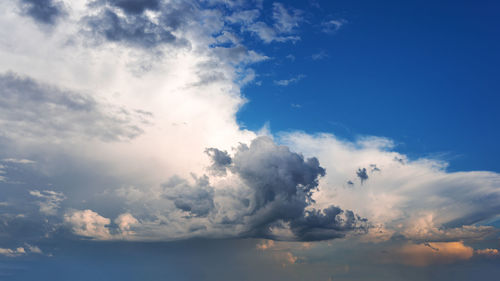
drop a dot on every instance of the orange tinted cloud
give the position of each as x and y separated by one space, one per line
434 253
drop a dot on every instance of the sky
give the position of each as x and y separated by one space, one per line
249 140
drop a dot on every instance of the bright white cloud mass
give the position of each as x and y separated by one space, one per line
124 116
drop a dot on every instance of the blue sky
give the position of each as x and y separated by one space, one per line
422 74
249 140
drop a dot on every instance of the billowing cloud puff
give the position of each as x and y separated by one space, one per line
125 223
488 252
263 190
280 186
20 251
89 224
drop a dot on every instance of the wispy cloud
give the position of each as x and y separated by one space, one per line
331 26
292 80
319 55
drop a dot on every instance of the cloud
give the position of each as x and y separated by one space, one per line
269 34
289 81
118 104
265 244
319 56
134 6
487 252
281 185
196 200
136 30
261 190
433 253
245 17
125 224
89 224
12 252
332 26
284 25
288 258
51 200
286 20
43 11
23 101
362 175
220 160
18 161
20 251
418 200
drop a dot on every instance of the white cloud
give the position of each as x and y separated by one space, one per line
415 198
12 252
332 26
125 223
319 56
20 251
286 20
18 161
89 224
292 80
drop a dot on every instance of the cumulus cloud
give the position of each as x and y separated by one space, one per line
196 200
281 184
20 251
12 252
89 224
261 190
419 199
125 224
487 252
266 244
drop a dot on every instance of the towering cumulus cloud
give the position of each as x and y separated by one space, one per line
279 186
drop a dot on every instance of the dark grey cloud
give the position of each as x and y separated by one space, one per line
328 223
29 109
42 11
135 28
135 6
362 174
374 168
220 160
281 185
197 199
